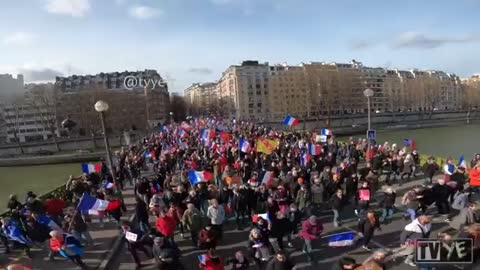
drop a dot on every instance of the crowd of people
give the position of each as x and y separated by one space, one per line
208 172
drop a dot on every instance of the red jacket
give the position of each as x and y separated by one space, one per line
55 244
310 231
209 265
54 207
474 175
166 225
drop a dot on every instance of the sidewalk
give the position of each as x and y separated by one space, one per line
104 239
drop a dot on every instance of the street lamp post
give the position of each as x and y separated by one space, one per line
171 117
101 107
368 93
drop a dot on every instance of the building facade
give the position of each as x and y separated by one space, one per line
140 105
202 98
259 91
25 122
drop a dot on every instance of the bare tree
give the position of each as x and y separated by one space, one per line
44 104
431 93
11 116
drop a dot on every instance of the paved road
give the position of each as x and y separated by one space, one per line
326 256
103 238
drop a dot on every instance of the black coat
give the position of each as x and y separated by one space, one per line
430 169
280 227
141 211
441 192
239 202
336 202
275 264
388 200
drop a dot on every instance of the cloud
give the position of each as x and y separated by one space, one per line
144 12
74 8
359 44
18 38
201 70
39 74
418 40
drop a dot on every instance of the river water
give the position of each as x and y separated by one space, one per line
451 141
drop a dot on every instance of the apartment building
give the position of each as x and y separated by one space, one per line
471 91
254 90
133 106
202 97
25 122
244 89
287 91
11 87
113 80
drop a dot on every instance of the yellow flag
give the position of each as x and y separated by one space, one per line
266 146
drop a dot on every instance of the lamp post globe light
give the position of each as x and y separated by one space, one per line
101 107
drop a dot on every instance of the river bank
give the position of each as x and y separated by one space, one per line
444 141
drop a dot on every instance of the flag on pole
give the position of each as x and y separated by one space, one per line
91 167
341 239
202 259
290 121
199 176
45 220
413 145
305 158
326 132
244 146
108 185
267 178
207 134
314 149
91 204
461 162
263 216
407 142
13 232
266 146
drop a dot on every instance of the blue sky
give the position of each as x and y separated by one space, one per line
195 40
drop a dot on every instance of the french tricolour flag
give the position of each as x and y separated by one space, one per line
207 134
199 176
89 204
290 121
244 146
461 162
314 149
91 167
263 216
202 259
109 185
326 132
341 239
45 220
267 178
304 159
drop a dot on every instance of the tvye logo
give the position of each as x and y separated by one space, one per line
437 251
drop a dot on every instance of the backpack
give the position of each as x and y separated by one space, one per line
460 201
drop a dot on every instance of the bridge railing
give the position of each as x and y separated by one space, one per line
58 192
